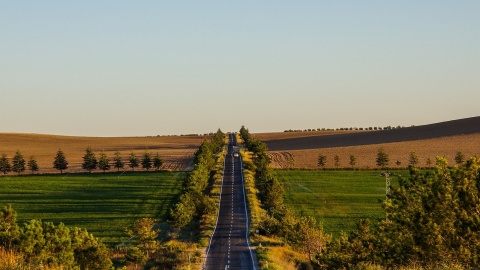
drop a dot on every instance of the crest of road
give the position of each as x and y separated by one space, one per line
229 247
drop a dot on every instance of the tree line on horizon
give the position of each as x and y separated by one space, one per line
90 162
344 128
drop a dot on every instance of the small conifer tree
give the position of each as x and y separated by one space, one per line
32 165
89 160
60 162
18 163
4 164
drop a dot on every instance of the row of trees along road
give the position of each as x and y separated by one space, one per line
382 160
90 162
304 233
195 202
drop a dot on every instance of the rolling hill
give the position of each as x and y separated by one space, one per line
428 141
437 130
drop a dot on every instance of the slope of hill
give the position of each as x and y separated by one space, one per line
428 141
443 129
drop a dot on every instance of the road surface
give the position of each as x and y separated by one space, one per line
229 247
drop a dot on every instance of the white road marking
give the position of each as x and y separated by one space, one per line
232 179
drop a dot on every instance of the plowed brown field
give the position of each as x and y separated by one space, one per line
301 149
177 151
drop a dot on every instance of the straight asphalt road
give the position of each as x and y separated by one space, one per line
229 247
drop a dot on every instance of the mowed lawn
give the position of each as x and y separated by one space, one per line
338 199
104 204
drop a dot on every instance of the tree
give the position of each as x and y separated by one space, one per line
54 247
336 161
398 162
89 252
382 158
135 256
4 164
133 161
72 248
103 162
18 163
413 159
182 213
9 230
147 160
459 157
310 237
273 198
60 162
32 165
322 160
43 242
89 160
157 162
438 214
353 160
117 161
143 234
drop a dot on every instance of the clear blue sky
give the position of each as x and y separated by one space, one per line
115 68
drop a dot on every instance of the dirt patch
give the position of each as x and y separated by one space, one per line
282 159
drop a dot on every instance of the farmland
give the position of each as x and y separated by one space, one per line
336 198
104 204
366 154
177 151
301 149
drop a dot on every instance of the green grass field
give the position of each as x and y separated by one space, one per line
336 198
104 204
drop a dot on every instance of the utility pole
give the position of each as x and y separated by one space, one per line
387 183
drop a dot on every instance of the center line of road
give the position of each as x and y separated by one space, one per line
239 203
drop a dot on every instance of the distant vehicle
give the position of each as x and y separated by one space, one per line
236 150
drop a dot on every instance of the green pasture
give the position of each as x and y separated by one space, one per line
336 198
104 204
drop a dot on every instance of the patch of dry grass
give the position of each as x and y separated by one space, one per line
10 260
273 254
